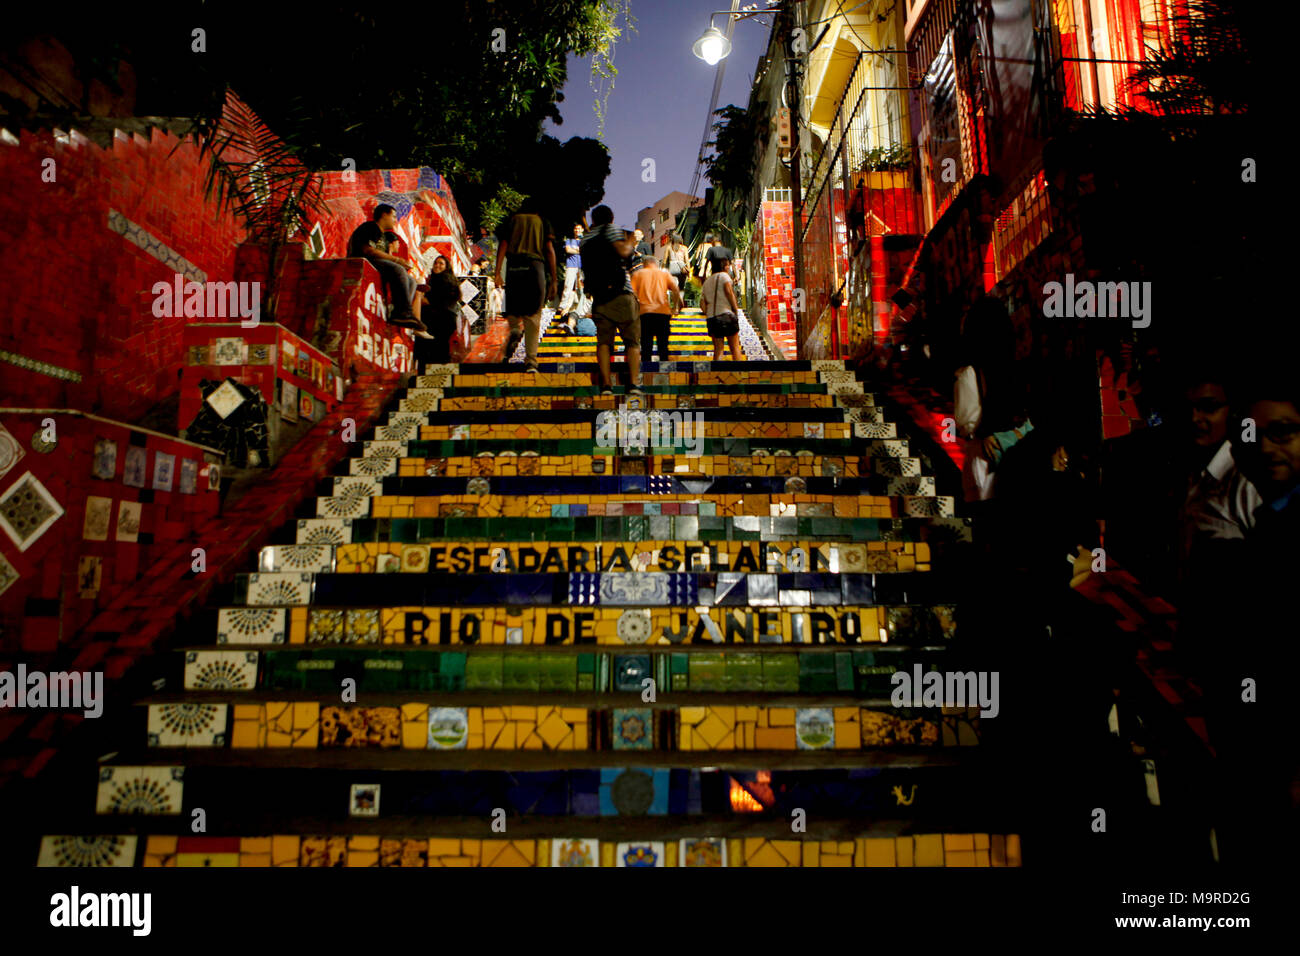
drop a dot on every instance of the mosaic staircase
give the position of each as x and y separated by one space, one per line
495 641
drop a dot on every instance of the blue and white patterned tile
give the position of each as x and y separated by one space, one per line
221 670
641 853
648 588
421 400
352 502
252 625
584 588
156 791
187 725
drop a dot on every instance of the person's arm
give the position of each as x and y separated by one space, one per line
502 245
731 296
551 283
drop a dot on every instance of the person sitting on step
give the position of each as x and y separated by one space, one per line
370 241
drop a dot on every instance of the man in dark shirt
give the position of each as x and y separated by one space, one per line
615 310
640 250
716 259
370 241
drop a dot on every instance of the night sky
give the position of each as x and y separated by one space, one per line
660 98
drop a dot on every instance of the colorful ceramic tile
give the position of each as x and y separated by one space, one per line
90 571
306 406
633 728
214 477
251 625
279 588
135 471
232 351
27 510
104 464
363 800
189 476
639 854
226 399
261 354
702 852
147 790
288 401
128 521
187 725
575 852
87 851
388 563
448 728
316 558
814 728
333 531
99 512
164 471
8 574
220 670
11 451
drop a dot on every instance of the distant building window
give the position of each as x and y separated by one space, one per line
663 215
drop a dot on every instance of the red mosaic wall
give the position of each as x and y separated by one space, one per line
776 239
78 294
77 567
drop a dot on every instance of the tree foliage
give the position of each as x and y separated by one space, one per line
463 89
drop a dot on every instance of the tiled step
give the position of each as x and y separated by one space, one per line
463 465
587 486
463 846
706 526
877 557
421 622
693 675
552 726
877 452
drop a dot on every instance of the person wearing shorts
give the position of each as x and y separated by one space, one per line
616 311
722 322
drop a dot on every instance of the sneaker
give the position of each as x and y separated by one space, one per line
606 391
408 321
421 334
532 368
635 390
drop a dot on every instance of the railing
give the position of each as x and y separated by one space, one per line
777 194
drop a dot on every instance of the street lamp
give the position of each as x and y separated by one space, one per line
712 46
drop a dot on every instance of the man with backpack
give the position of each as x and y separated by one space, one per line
606 251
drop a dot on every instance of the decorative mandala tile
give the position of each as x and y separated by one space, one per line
187 725
814 728
332 531
87 851
702 852
317 558
634 626
633 728
478 486
639 854
837 376
220 670
422 400
896 467
251 625
875 430
415 558
401 427
353 501
368 485
363 800
279 588
325 626
448 728
795 486
575 852
919 485
879 562
827 365
925 507
814 429
385 449
27 510
373 467
852 558
149 790
363 626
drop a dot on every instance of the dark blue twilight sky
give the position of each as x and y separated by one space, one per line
660 98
